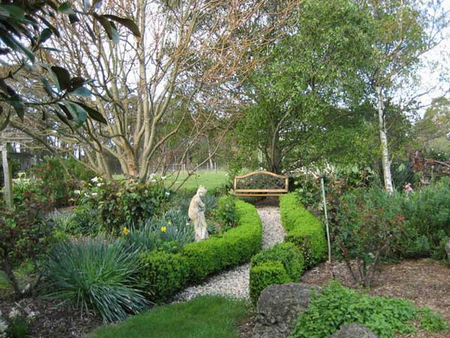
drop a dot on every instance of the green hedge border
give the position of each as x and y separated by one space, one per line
163 273
304 246
303 229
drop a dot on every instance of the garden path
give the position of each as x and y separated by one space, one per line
235 282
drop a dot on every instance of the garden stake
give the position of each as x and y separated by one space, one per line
326 218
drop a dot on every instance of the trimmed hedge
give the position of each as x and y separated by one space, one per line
163 273
167 273
264 275
304 229
282 263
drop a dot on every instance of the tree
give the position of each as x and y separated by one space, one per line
177 77
403 31
25 29
304 97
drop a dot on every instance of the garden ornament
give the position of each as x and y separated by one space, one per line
197 214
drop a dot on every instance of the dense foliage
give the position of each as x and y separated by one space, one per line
337 305
368 223
282 263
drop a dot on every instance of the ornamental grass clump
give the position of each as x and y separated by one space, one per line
98 275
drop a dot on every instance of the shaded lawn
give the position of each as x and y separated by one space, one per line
203 317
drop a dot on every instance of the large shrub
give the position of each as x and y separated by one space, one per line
338 305
304 229
282 263
127 203
427 214
98 275
369 222
25 235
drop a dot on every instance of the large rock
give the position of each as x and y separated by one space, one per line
278 308
353 330
447 249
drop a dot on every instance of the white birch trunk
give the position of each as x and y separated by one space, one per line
385 161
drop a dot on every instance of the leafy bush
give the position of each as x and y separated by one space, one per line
58 185
226 214
164 273
338 305
96 274
24 235
427 214
304 229
264 275
83 221
265 270
288 254
126 204
369 221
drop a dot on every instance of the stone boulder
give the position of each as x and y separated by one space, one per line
353 330
278 308
447 249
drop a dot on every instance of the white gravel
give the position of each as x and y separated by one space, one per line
235 282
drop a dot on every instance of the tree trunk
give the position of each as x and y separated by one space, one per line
385 161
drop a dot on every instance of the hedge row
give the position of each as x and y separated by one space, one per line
303 228
165 273
304 246
282 263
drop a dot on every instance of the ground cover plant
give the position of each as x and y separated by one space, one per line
203 317
337 305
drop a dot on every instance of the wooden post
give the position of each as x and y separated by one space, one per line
7 176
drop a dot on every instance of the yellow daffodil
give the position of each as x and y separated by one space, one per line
163 229
169 223
125 231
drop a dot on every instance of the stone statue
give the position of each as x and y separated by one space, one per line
197 215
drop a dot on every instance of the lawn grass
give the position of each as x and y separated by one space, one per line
210 179
203 317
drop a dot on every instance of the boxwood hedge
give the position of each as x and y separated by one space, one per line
303 228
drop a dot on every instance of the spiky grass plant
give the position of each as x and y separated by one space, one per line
98 275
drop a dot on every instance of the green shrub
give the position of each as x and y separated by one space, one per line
264 275
25 235
288 254
126 204
427 214
164 273
265 268
83 221
226 213
98 275
369 221
304 229
338 305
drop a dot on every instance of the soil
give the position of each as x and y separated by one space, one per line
425 282
53 319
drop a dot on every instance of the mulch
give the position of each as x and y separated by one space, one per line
425 282
53 319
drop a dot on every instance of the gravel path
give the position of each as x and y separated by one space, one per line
235 282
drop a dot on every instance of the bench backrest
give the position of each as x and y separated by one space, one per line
260 183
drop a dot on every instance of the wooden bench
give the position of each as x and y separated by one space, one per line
260 183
